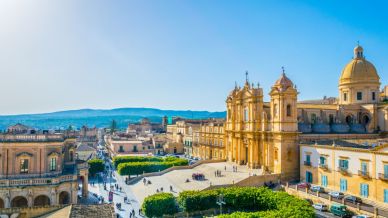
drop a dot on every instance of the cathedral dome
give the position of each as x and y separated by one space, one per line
359 70
284 82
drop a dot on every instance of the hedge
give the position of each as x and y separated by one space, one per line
96 166
136 168
279 205
127 159
236 198
159 204
259 202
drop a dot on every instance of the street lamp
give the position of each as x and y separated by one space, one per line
220 201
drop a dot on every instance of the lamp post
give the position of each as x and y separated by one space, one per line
220 201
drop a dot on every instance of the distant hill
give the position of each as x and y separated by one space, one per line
100 118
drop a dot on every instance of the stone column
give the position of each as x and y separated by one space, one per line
251 157
53 199
7 200
237 141
85 184
73 194
256 153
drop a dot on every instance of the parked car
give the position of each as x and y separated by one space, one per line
304 185
361 216
317 188
340 210
353 199
335 194
320 207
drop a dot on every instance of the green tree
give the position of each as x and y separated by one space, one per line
113 126
95 166
159 204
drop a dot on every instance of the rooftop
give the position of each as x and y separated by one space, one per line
351 143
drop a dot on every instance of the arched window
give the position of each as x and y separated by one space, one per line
275 110
246 115
288 110
53 164
24 166
276 154
71 156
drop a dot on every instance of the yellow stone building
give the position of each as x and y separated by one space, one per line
211 141
264 135
267 134
349 166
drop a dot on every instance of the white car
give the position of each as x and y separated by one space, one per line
336 194
361 216
320 207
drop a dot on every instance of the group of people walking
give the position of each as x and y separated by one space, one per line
161 189
133 214
146 182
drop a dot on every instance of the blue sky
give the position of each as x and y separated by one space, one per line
59 55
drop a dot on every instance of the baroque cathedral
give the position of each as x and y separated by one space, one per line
267 134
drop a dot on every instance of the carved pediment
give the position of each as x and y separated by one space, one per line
53 153
24 154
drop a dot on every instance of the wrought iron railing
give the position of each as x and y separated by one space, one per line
364 174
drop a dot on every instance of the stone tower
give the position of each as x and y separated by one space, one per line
284 129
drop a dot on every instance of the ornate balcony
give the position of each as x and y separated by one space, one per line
383 176
364 174
31 176
323 167
37 181
307 163
343 170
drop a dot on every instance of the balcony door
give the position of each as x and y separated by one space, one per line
309 177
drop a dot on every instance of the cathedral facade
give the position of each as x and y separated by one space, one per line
263 135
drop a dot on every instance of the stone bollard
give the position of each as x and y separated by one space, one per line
287 184
307 190
343 200
330 198
317 193
358 206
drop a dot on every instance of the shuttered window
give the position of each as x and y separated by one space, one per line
385 195
364 190
324 182
343 185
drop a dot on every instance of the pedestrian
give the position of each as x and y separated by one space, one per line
225 168
139 211
161 189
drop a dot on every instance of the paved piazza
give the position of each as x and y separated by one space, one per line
177 179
